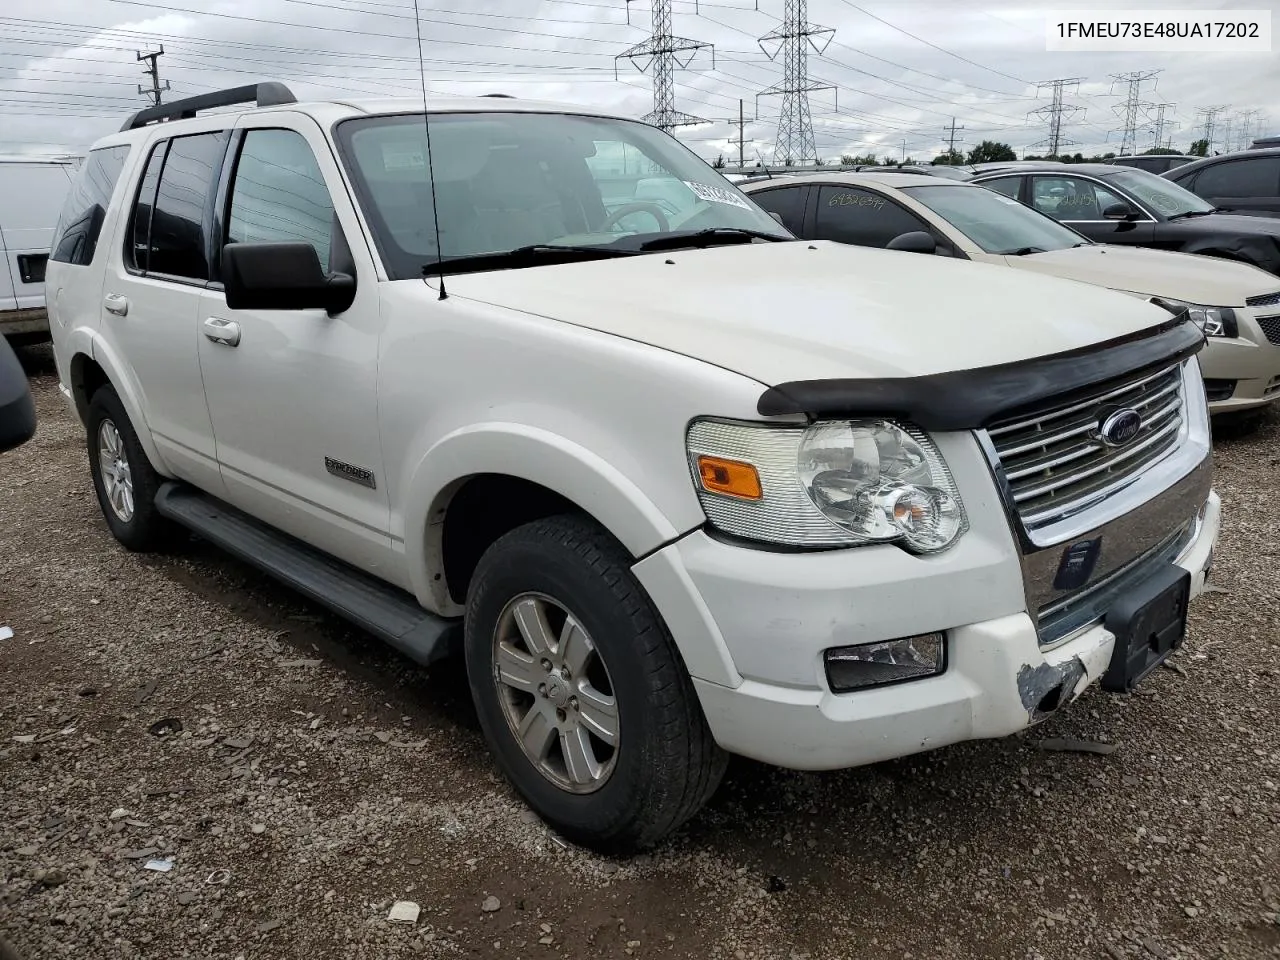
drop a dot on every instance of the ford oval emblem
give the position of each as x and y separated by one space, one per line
1120 427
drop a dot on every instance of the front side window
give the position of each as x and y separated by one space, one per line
278 194
1256 177
787 203
862 217
75 239
184 195
507 181
997 224
1071 198
1009 186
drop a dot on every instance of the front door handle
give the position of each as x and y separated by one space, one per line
222 331
116 304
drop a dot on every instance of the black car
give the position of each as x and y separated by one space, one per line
1247 181
1110 204
1153 162
928 170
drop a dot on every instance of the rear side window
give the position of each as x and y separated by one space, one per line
85 209
184 197
1009 186
786 202
863 217
279 194
1258 177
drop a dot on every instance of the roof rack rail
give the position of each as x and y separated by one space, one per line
269 94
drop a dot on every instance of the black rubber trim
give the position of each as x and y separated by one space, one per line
970 399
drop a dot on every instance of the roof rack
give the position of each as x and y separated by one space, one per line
270 94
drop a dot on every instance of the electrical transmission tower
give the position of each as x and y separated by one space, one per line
794 38
1244 131
1056 112
1132 106
1159 142
665 52
1210 115
152 70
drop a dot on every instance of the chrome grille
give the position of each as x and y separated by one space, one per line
1266 300
1055 462
1271 327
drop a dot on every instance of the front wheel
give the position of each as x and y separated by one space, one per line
580 691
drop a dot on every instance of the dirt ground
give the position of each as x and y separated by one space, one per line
301 778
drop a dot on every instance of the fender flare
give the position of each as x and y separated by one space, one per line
527 453
96 348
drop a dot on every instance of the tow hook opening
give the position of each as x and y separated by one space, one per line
1050 701
1047 687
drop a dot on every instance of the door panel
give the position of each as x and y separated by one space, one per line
293 393
149 316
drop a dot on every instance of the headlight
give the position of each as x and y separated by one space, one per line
1214 321
833 484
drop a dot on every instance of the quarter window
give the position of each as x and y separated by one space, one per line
177 235
862 217
85 209
1009 186
279 194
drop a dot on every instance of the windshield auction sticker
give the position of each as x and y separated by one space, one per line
704 191
1191 31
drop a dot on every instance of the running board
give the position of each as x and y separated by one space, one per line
386 612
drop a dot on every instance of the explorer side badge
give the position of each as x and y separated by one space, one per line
348 471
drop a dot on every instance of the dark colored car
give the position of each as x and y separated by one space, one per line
17 413
1247 181
1153 162
1123 205
928 170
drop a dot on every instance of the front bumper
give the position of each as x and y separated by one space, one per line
1250 360
774 614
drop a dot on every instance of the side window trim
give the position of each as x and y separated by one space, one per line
216 236
161 148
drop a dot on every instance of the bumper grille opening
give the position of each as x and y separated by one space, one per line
1270 327
1215 390
1265 300
1056 461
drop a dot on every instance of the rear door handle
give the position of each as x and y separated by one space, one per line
222 331
116 304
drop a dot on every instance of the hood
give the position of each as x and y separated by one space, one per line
1230 223
1159 273
778 312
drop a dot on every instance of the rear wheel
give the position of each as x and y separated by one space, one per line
580 691
123 477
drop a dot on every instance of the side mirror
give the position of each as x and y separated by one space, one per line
917 241
282 276
1119 211
17 411
777 216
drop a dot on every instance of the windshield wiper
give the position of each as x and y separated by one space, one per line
526 256
1191 213
1022 252
712 236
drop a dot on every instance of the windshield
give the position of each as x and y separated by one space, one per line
506 181
1164 197
996 223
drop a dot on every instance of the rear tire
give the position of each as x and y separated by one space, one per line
123 477
614 670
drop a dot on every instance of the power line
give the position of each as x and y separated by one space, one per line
1056 111
153 71
664 51
951 138
794 142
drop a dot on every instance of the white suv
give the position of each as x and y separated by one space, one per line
678 483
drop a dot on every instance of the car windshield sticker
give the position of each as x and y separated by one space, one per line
856 200
704 191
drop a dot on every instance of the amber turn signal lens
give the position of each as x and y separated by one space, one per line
731 477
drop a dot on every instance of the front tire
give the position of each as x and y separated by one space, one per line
123 477
580 691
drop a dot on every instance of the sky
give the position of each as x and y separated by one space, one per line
899 72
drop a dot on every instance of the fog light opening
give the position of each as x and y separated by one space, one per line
866 665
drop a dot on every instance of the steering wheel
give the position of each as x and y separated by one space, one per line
638 206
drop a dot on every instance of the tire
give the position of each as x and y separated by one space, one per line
132 518
665 765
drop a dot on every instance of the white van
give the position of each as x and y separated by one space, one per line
32 191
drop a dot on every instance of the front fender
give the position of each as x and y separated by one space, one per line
528 453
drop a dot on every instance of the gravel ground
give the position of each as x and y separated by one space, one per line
301 778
